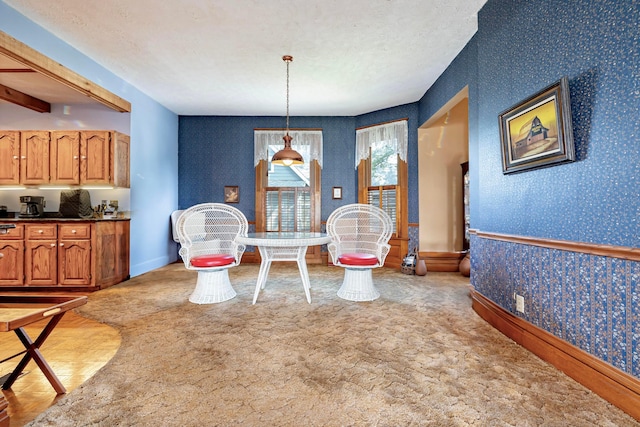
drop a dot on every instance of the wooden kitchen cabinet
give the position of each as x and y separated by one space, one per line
41 254
12 257
9 157
65 157
113 239
34 157
95 152
120 152
49 255
74 254
104 158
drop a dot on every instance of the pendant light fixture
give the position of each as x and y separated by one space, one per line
287 156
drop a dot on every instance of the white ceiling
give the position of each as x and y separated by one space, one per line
224 57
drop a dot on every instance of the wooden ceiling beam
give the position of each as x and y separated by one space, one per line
31 58
24 100
16 70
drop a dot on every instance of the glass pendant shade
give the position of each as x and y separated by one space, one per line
287 156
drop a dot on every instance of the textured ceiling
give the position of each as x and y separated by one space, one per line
224 57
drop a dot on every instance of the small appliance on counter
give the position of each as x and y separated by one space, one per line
31 207
3 212
75 204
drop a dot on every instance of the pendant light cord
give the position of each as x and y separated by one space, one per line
287 60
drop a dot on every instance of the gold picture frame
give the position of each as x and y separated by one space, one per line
537 132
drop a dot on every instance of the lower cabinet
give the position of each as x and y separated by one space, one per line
74 255
50 254
12 257
113 239
41 255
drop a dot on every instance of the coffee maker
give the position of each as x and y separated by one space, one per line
32 207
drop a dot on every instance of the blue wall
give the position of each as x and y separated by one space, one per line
216 151
521 47
524 46
154 144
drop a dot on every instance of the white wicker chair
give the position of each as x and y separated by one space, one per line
359 242
207 235
174 224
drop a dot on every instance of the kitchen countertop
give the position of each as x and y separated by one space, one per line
59 219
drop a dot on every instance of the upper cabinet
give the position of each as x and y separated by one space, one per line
64 158
95 149
104 158
120 148
34 157
9 157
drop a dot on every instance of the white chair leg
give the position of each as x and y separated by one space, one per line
212 287
358 286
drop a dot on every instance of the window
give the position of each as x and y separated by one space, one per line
288 209
384 163
286 195
381 153
385 197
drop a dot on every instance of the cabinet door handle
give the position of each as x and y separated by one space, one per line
73 231
40 231
15 157
1 255
24 157
75 157
61 244
53 245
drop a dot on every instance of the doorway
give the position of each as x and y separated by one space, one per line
443 146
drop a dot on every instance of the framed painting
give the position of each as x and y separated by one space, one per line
231 194
537 132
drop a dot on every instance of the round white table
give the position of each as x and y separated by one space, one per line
284 246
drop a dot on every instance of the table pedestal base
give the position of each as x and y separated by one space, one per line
212 287
358 285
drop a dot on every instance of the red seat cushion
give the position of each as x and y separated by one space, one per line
216 260
357 259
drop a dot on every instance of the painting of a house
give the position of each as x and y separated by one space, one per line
534 139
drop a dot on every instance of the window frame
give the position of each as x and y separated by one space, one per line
261 185
364 186
400 239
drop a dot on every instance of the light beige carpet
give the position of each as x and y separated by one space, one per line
418 356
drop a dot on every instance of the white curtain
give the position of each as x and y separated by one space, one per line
395 133
262 139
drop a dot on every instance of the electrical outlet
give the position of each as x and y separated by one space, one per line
520 303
